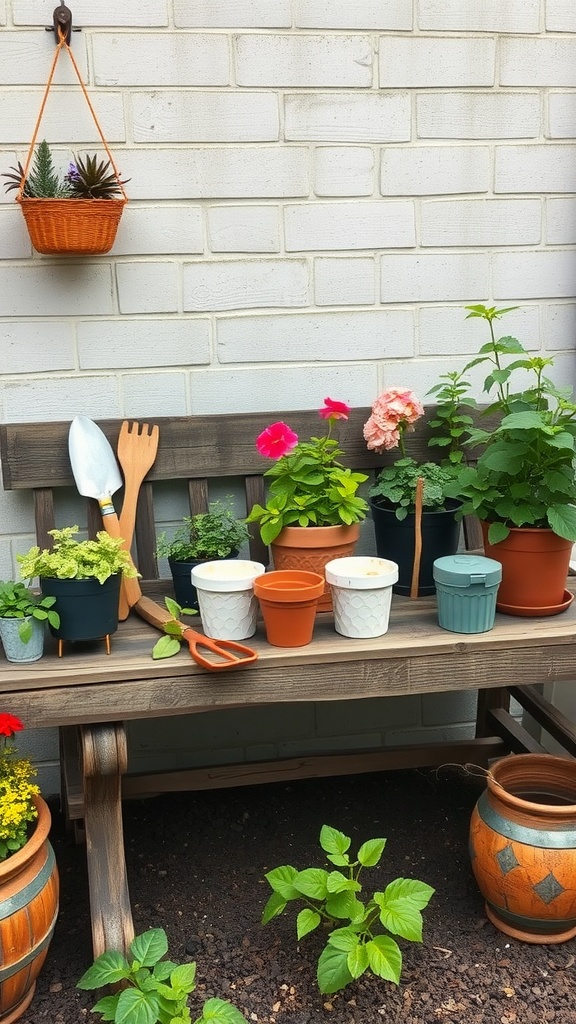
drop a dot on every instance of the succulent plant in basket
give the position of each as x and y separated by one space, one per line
41 190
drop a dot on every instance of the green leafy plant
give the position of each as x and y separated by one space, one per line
358 941
17 790
154 990
310 486
73 559
169 644
86 178
213 534
397 484
19 602
525 474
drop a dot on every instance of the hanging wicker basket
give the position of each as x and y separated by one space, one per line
72 227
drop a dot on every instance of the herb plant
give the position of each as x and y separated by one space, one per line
358 940
18 602
310 486
86 178
525 475
213 534
169 644
73 559
154 990
17 790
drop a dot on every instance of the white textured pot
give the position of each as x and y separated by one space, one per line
361 594
228 606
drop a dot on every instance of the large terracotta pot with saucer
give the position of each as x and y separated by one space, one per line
535 565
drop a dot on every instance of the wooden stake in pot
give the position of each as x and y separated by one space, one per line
417 537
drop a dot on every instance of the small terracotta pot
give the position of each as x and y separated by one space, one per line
309 548
523 847
289 601
534 569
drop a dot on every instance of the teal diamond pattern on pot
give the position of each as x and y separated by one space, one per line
507 859
549 888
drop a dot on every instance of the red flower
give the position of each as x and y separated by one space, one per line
9 724
277 440
334 410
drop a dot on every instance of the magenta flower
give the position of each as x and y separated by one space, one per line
277 440
334 410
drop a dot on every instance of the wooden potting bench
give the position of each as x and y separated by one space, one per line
90 695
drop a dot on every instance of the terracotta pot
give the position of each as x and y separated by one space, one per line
28 910
534 570
310 547
523 847
289 601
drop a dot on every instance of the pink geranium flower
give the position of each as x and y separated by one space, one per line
393 412
334 410
277 440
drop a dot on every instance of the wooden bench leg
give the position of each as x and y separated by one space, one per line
104 761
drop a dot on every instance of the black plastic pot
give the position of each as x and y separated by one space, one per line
184 590
395 539
88 609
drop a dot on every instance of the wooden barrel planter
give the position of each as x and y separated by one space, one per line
523 847
28 909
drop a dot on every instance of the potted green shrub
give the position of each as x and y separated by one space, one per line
22 618
523 485
84 578
393 495
204 537
313 510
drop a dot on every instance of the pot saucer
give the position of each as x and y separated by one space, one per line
553 609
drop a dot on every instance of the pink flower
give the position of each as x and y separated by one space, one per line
397 404
9 724
393 412
334 410
381 435
277 440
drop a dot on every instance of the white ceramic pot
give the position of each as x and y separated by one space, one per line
228 606
361 594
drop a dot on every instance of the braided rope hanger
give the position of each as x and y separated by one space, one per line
62 44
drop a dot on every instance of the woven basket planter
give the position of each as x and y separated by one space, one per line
72 227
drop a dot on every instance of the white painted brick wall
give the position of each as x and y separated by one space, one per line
435 170
344 171
484 222
562 115
535 169
349 225
243 284
419 61
560 16
517 16
244 228
303 60
478 115
317 188
348 117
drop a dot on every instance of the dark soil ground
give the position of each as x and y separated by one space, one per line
196 864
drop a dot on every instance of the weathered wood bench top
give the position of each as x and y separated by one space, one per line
89 694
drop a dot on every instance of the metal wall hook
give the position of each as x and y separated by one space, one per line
62 23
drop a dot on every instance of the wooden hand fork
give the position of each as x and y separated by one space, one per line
136 454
